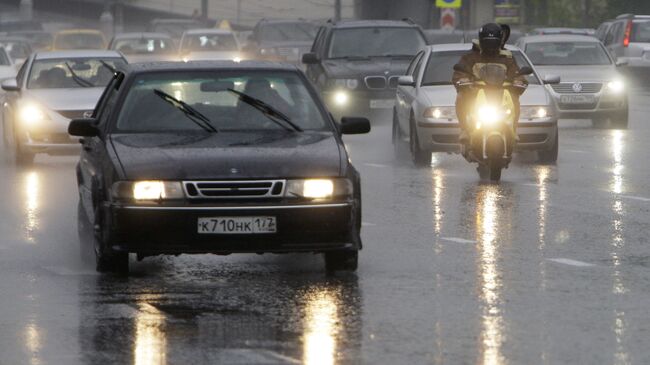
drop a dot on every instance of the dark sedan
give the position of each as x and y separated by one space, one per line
217 157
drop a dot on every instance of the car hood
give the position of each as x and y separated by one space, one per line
580 73
286 44
359 68
227 155
83 98
141 58
445 95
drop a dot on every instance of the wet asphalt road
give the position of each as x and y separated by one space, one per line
550 266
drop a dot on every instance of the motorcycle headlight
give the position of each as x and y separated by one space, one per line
344 83
534 112
488 114
148 190
442 112
318 188
340 98
31 114
616 86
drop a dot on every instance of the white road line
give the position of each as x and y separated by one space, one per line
575 151
375 165
639 198
367 224
457 240
571 262
281 357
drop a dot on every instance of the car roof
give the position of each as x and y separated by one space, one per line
207 31
460 47
558 38
138 35
373 23
137 68
285 21
87 53
79 31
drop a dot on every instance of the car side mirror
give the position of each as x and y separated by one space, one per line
85 127
10 85
354 125
525 71
309 58
405 81
551 79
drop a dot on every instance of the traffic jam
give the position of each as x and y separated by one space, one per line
365 190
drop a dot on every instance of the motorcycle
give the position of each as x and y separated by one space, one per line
491 118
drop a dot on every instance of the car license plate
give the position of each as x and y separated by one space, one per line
382 103
237 225
577 99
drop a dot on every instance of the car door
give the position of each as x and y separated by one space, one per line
408 94
614 39
94 158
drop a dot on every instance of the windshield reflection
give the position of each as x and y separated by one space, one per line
320 327
150 339
32 205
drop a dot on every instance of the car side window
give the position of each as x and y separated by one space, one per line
616 33
414 61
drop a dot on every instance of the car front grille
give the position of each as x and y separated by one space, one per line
75 114
585 88
392 82
577 106
234 189
375 82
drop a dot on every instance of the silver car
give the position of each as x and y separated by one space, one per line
425 112
209 45
628 39
591 88
51 89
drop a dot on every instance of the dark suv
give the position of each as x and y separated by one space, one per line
355 64
628 39
281 40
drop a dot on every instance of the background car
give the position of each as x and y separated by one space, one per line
7 66
444 36
51 89
145 47
18 48
79 39
591 88
355 64
39 40
176 27
281 40
209 44
184 164
560 30
425 112
628 39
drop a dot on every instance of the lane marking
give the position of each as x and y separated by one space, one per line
367 224
457 240
375 165
571 262
575 151
281 357
632 197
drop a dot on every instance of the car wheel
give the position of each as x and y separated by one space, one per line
341 261
106 259
550 156
84 232
421 158
398 139
621 121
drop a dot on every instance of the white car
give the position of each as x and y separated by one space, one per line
51 89
209 45
425 113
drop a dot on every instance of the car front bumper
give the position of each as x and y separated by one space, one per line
604 105
362 103
153 230
443 136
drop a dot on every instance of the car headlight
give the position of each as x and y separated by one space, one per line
318 188
268 51
344 83
534 112
340 98
31 114
148 190
441 112
615 86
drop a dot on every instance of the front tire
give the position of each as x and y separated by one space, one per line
341 261
550 156
106 259
495 172
421 158
399 150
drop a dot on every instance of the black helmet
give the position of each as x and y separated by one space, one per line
490 38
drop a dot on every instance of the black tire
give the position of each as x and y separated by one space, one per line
495 172
399 147
85 233
341 261
483 172
107 260
550 156
421 158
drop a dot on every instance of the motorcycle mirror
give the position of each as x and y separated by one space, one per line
525 71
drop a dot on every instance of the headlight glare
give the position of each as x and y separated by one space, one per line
31 114
152 190
319 188
615 86
488 114
442 112
341 98
534 112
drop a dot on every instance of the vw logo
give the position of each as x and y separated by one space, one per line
234 171
577 88
88 114
386 72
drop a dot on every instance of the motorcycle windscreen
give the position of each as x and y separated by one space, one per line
493 74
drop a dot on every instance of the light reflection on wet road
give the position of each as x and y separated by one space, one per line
550 266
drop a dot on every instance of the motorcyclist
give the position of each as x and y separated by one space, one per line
490 48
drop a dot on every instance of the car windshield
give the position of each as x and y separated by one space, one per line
280 32
567 54
72 73
16 49
79 41
175 29
440 67
640 32
209 43
438 37
208 93
375 41
143 46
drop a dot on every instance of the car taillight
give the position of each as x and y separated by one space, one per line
628 33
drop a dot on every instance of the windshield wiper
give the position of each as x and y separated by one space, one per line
351 58
111 68
397 55
272 113
78 79
192 114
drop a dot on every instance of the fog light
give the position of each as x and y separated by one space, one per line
341 98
